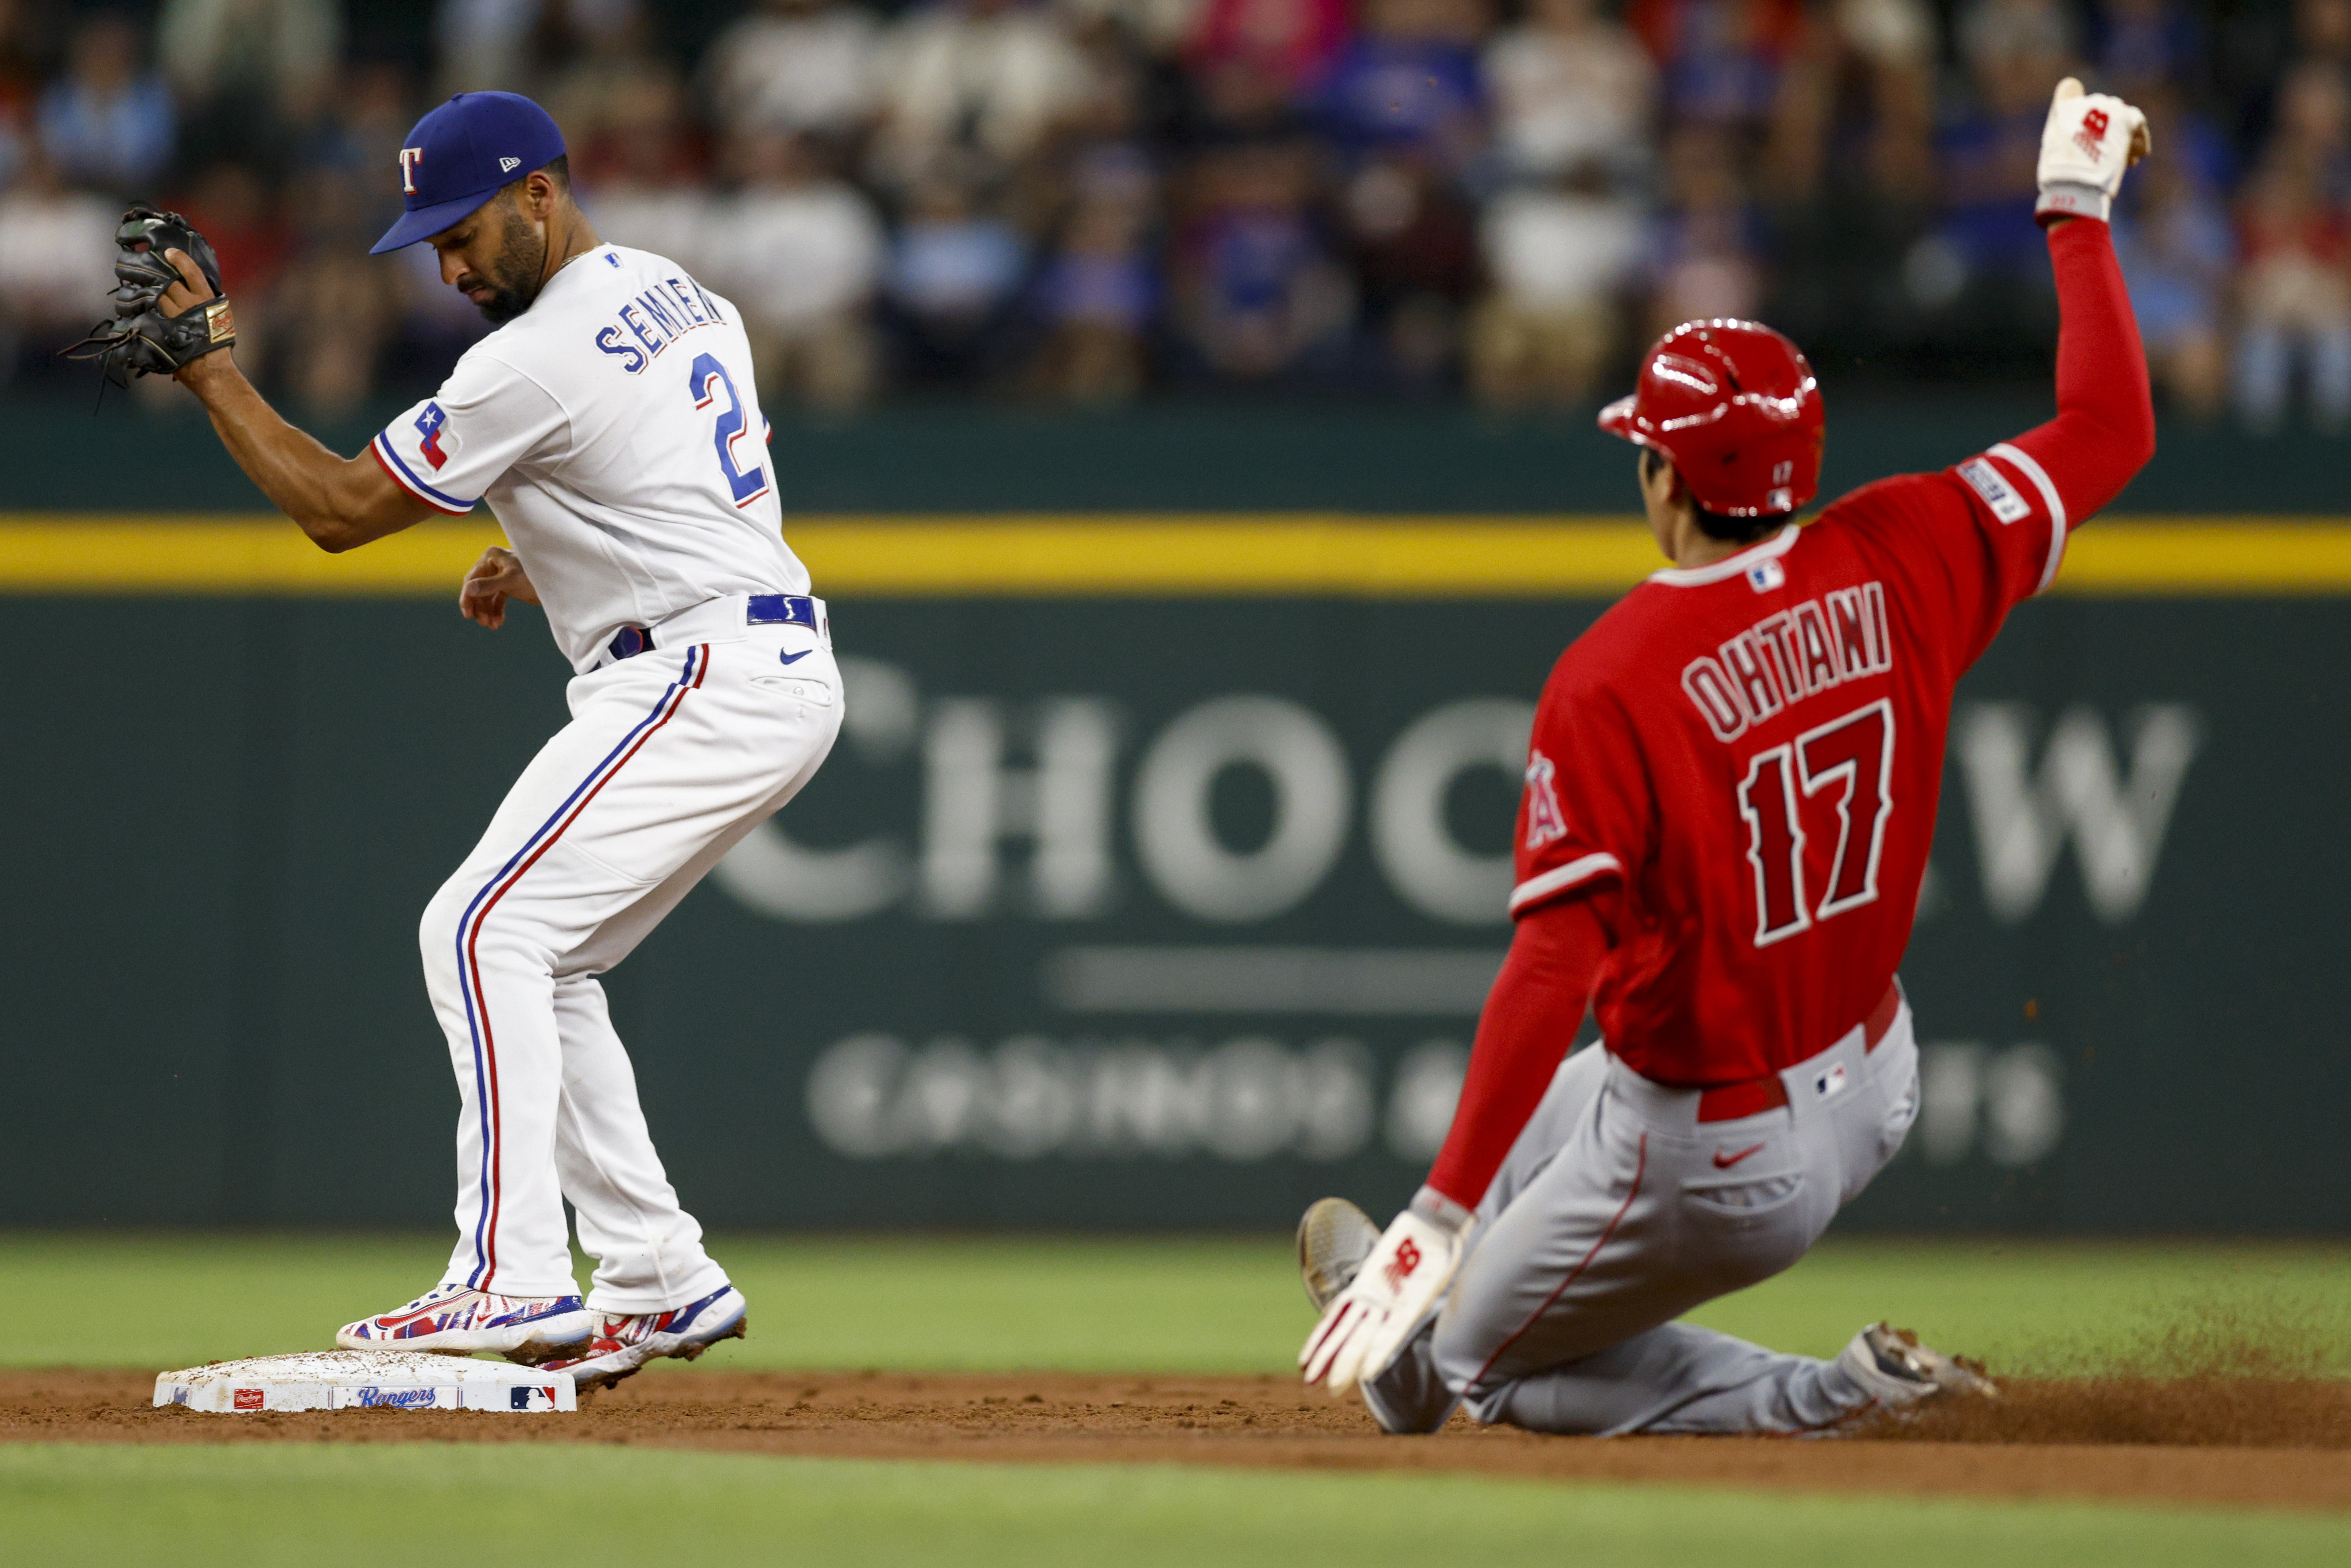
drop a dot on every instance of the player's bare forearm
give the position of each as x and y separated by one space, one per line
340 503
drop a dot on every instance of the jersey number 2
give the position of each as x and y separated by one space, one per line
748 486
1855 755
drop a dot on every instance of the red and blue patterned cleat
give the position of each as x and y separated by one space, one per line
458 1320
625 1342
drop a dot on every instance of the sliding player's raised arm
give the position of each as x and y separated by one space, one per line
2104 429
2032 491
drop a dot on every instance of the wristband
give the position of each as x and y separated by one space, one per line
2068 200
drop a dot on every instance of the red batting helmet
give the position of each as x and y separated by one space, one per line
1736 407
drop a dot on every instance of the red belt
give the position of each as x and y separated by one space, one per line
1729 1102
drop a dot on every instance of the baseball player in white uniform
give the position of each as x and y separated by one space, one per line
611 424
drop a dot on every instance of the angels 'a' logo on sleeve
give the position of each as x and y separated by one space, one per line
1545 821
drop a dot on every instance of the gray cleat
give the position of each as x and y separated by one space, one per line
1333 1239
1900 1371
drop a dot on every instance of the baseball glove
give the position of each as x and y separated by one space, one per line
140 341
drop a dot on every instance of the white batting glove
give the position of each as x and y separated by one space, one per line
2087 142
1365 1327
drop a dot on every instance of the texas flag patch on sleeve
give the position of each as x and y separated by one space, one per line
440 442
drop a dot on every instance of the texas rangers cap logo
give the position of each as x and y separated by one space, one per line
461 155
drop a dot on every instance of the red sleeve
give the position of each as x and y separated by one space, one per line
2104 429
1584 816
1529 1019
2030 492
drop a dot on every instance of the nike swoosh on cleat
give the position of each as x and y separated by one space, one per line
794 658
1721 1163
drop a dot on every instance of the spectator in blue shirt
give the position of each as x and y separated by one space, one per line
109 121
2172 238
1410 80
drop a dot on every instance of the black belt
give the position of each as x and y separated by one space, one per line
762 610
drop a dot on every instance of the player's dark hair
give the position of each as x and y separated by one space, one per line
1714 525
1738 530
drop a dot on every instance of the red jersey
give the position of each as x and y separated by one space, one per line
1739 762
1753 749
1733 774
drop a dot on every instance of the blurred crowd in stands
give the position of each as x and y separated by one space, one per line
1084 200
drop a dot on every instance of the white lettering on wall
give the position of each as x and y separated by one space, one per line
1314 801
1417 852
2024 817
2007 1104
972 802
1420 1107
872 1097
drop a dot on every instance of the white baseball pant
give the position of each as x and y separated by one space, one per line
669 758
1617 1212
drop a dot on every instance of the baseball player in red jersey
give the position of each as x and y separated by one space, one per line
1729 797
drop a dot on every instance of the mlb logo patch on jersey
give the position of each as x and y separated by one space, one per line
1767 575
1999 495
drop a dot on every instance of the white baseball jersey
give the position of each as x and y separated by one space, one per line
615 432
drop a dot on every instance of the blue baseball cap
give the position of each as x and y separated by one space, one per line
461 155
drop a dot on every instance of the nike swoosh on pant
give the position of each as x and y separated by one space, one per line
1721 1163
793 658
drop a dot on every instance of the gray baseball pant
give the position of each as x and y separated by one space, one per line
1617 1212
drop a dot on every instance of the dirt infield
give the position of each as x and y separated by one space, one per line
2246 1441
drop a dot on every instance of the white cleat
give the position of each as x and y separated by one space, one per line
1899 1373
1335 1237
625 1341
458 1320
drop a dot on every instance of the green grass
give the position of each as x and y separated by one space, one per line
1160 1304
1135 1304
300 1504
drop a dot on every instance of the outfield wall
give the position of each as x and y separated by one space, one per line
1154 882
1220 455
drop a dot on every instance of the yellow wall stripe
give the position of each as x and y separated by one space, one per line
1220 554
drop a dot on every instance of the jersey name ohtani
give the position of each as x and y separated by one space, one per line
656 318
1788 656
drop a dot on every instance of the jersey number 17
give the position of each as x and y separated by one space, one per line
1850 760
